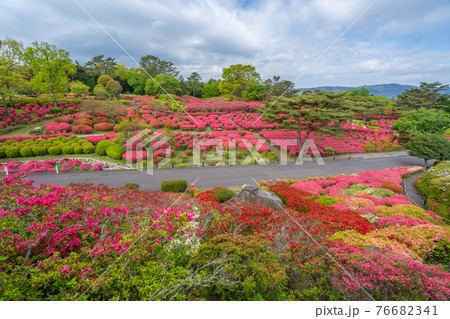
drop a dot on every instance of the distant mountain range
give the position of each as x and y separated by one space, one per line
388 90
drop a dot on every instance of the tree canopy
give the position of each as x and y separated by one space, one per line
276 87
154 66
422 121
161 84
429 146
314 111
49 67
426 96
12 73
238 78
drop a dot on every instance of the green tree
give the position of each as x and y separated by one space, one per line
429 146
12 73
154 66
136 80
82 75
114 88
422 121
103 80
101 91
211 89
254 93
276 87
427 96
366 105
237 79
315 111
162 81
359 92
49 67
194 81
79 88
99 65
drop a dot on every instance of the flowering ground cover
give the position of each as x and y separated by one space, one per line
435 184
94 243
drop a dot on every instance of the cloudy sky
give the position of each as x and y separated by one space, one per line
396 41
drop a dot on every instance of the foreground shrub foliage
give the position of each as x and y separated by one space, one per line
84 242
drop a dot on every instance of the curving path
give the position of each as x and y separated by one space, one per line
209 177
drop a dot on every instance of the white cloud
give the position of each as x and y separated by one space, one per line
403 41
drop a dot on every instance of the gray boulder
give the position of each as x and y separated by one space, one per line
254 195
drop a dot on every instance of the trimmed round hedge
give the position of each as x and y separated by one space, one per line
115 151
100 150
174 185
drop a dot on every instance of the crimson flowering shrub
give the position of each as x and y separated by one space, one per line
56 242
103 126
82 129
55 127
331 220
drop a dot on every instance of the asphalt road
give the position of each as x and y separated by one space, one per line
227 176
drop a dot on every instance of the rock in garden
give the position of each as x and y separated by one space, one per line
254 195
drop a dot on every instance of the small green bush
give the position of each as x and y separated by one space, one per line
224 194
70 110
133 186
55 110
2 151
67 149
174 185
272 156
37 151
327 201
88 149
12 151
26 152
102 146
78 149
115 151
54 150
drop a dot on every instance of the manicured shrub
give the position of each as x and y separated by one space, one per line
85 166
223 194
82 129
70 110
54 150
26 152
103 126
12 151
55 110
67 149
174 185
88 149
132 186
115 151
102 146
37 151
78 149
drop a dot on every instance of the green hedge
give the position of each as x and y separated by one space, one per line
100 150
52 146
174 185
224 194
115 151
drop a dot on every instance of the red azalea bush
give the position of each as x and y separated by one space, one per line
54 127
103 126
82 129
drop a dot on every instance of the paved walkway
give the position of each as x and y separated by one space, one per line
227 176
411 191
